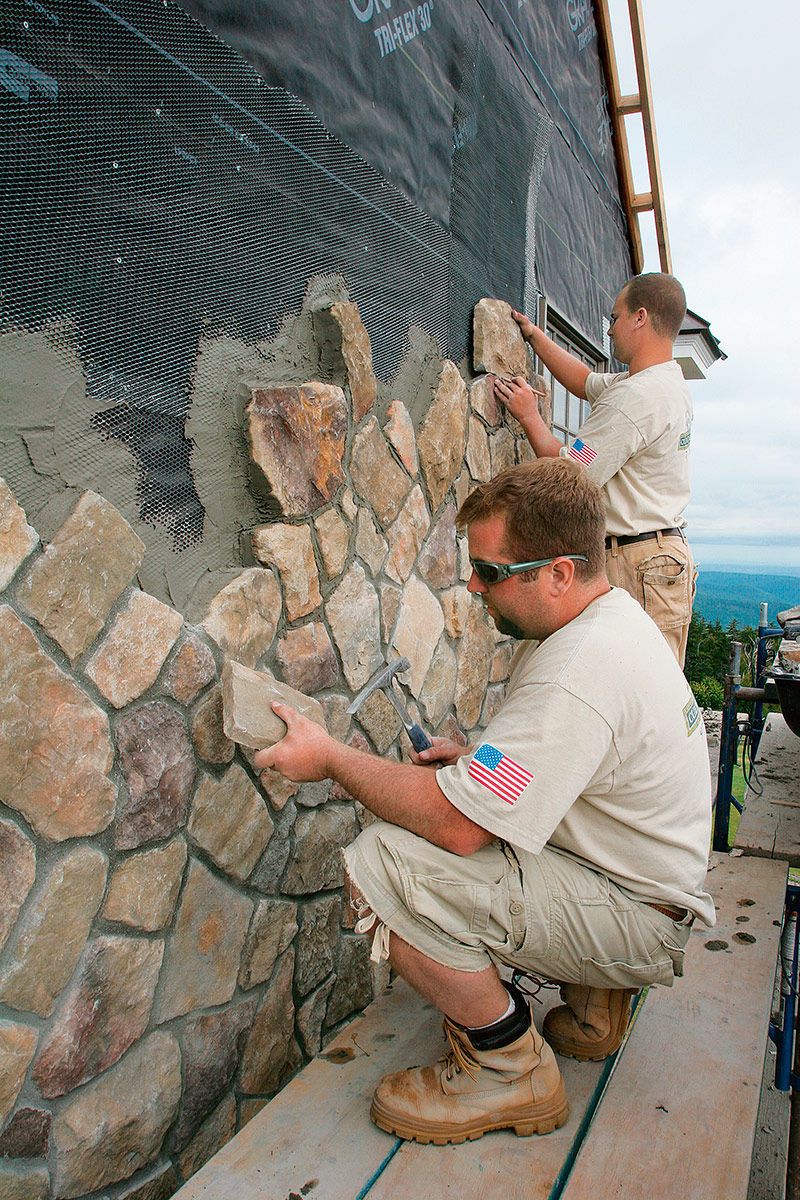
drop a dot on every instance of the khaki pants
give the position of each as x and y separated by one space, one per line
544 913
659 573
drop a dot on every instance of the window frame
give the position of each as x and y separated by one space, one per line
570 338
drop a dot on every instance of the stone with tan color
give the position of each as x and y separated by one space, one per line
277 788
55 749
290 549
498 345
440 682
190 670
17 538
377 476
442 438
202 960
478 457
117 1124
371 546
380 720
24 1182
247 706
307 659
17 873
455 606
420 624
399 429
474 663
502 450
482 400
130 657
208 731
72 588
333 535
158 765
271 932
493 702
17 1047
390 607
501 661
105 1011
406 535
353 616
268 1050
48 941
437 564
357 355
229 820
143 888
297 439
243 617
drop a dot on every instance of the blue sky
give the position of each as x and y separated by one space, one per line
724 84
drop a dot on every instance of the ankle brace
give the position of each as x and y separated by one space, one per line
507 1029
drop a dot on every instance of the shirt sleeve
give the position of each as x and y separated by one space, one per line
538 755
604 442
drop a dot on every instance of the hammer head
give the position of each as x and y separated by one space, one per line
380 680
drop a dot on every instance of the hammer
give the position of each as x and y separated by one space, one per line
382 681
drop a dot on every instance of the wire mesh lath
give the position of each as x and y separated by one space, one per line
156 189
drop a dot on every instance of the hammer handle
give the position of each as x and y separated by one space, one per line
419 738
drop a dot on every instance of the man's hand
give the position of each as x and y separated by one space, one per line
443 753
526 326
302 754
517 395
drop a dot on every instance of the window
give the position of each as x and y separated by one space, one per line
569 412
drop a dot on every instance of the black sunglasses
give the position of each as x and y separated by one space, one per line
489 572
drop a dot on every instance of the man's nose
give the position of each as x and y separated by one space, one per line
475 583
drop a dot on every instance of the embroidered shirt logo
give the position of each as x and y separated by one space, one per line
499 773
685 438
691 715
582 453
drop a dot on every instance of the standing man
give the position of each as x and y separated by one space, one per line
634 444
571 843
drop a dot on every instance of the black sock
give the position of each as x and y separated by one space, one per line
507 1029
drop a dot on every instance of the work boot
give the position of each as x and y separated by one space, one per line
469 1091
591 1022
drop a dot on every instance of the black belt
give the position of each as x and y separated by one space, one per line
644 537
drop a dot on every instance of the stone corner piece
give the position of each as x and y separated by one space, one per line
247 697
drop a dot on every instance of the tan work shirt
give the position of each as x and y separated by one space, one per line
599 750
635 445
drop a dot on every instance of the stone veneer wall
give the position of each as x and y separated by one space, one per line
174 942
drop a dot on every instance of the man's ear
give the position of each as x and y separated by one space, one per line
563 574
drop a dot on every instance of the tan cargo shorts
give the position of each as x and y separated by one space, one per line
544 913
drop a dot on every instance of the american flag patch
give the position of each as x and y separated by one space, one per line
583 453
499 773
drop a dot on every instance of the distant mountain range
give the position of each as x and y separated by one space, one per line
726 596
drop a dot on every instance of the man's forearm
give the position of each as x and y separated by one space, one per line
406 795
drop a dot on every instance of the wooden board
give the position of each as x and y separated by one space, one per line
770 825
679 1114
317 1130
316 1134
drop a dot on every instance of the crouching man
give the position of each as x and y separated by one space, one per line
571 843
